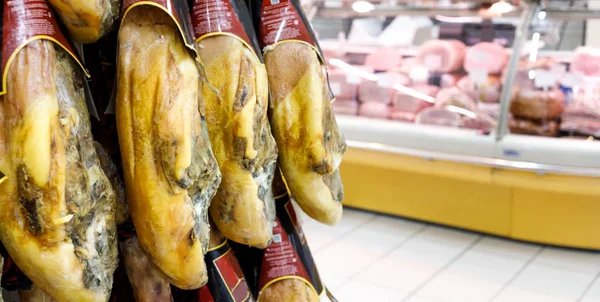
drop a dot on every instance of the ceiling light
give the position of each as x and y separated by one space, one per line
362 6
542 15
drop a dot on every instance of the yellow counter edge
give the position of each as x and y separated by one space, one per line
551 209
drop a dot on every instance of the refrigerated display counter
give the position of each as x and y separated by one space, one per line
500 139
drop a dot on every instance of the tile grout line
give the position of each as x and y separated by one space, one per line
589 287
517 274
397 246
439 271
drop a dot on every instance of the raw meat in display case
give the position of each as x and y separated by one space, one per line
439 117
533 127
382 89
490 57
345 107
582 114
443 56
384 59
411 101
340 86
455 97
586 61
537 104
488 92
375 109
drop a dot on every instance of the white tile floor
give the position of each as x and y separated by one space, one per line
370 257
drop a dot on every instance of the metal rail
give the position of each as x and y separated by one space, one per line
541 169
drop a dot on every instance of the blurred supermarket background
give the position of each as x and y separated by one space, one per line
482 116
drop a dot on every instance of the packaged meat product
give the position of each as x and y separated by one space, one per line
345 107
586 61
444 56
454 97
170 171
382 89
487 56
310 144
481 122
537 104
488 92
532 127
374 109
417 100
56 204
585 102
451 118
284 271
340 87
384 59
581 126
490 109
87 21
237 99
582 114
439 117
526 71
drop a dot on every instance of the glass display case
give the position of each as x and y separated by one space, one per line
504 82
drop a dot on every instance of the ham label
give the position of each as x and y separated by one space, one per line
289 255
216 16
226 282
